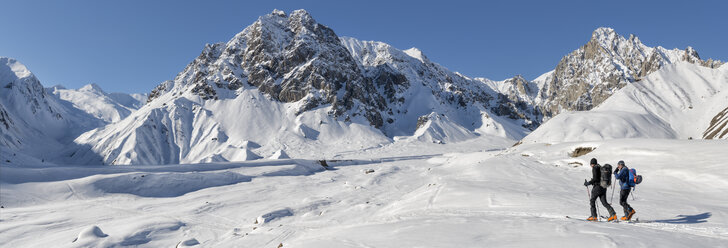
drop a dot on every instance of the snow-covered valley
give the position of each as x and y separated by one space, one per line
479 193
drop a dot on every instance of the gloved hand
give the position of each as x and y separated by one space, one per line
586 183
616 170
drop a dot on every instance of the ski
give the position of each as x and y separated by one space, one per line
572 218
637 220
603 219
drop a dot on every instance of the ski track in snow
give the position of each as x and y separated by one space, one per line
419 194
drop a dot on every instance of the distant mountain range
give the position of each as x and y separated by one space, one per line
289 85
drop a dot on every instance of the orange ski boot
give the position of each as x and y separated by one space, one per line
613 217
631 212
593 218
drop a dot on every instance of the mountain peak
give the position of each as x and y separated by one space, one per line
278 12
301 13
278 22
92 87
691 52
296 14
604 33
11 69
416 53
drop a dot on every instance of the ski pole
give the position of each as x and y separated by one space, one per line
599 215
595 204
632 193
613 186
587 190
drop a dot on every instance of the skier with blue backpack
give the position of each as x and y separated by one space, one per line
627 180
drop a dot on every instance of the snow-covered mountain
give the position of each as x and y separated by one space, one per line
35 125
109 107
288 83
588 76
679 101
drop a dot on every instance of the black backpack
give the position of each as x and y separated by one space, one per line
606 176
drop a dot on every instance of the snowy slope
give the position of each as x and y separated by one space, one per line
178 130
109 107
677 101
393 196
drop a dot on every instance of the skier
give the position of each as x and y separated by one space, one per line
598 191
622 173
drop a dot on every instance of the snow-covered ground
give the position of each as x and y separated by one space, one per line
477 193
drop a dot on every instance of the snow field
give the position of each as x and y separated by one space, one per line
488 194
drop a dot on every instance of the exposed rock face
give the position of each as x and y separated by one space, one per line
592 73
718 128
5 118
517 102
290 58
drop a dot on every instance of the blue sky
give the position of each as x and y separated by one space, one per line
131 46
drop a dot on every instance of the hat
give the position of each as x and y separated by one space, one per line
593 161
621 162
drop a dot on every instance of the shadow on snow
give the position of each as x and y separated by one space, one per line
687 219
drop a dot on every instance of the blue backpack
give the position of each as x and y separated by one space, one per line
634 179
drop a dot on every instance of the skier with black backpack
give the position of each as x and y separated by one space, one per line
623 174
601 180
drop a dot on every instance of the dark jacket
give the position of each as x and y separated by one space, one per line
596 176
623 176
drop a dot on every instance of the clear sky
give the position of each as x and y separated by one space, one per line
131 46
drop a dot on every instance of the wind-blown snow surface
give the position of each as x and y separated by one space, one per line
407 194
677 101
